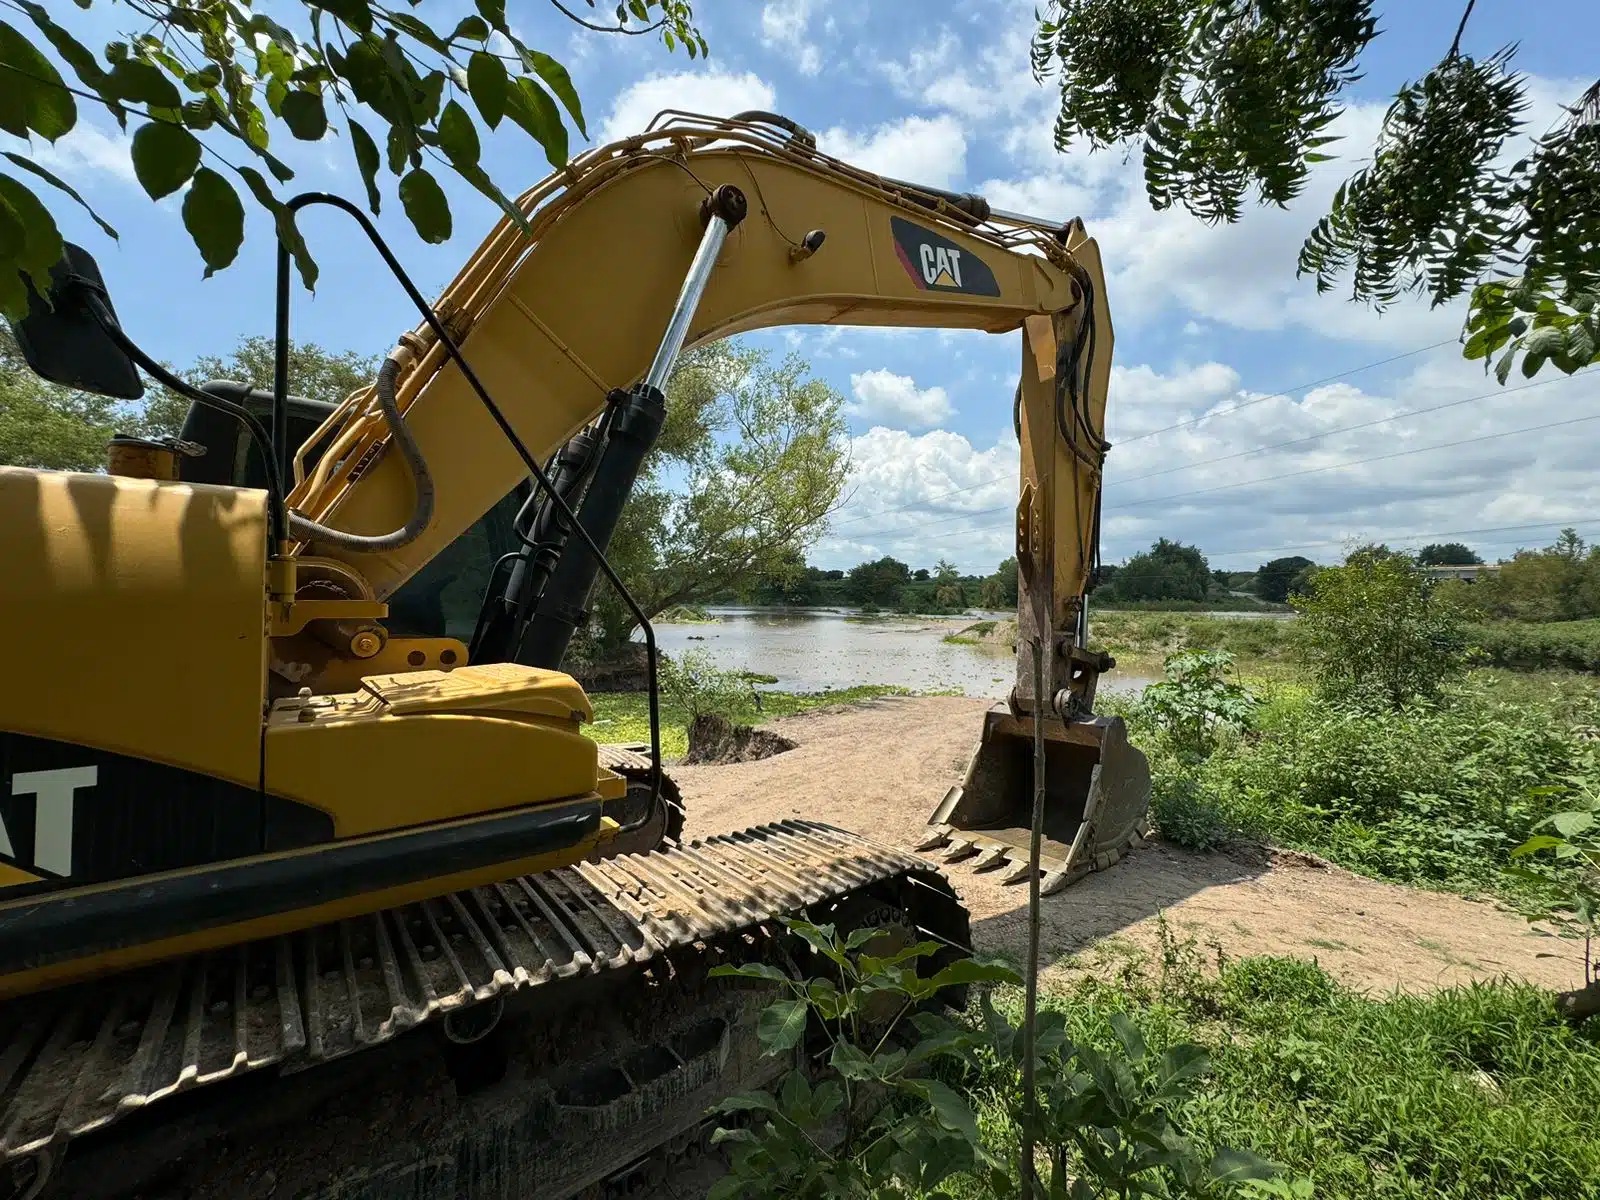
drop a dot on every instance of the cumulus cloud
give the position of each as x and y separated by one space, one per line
896 400
86 148
927 150
784 26
714 93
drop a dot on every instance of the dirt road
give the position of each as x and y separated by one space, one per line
880 767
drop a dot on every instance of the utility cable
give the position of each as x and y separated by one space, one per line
1139 437
1414 412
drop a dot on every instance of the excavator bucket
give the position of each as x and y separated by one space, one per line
1097 796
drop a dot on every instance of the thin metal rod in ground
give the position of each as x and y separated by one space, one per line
1030 1004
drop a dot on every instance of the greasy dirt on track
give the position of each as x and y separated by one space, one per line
878 768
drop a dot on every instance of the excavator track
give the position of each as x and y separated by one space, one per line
245 1071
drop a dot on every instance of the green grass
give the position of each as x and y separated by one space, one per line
1465 1094
625 716
1155 634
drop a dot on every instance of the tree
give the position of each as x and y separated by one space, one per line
209 83
1558 583
877 583
1377 633
1273 579
1230 99
1168 571
999 591
1447 554
749 464
45 425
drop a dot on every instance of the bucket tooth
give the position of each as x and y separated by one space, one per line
989 860
1020 870
936 839
959 849
1055 881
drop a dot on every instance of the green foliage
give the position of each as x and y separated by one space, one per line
1274 579
877 582
1167 571
1112 1119
1374 632
695 686
1435 794
749 464
1161 633
999 591
1560 582
1558 645
1197 702
1446 554
1460 1094
864 1003
212 79
1235 98
1571 839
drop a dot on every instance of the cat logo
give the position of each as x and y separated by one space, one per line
937 264
54 794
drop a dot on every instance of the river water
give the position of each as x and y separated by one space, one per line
815 649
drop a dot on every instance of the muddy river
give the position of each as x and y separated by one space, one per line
814 649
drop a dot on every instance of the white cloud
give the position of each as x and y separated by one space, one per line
86 148
926 150
897 400
713 93
784 25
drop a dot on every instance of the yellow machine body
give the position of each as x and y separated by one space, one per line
209 737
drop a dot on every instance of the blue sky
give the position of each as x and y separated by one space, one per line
1206 318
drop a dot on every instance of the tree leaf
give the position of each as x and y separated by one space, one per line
953 1112
28 165
303 113
355 13
781 1025
746 1102
973 970
426 205
30 243
164 157
531 107
458 136
1236 1166
214 218
487 83
142 82
556 78
33 96
367 161
284 225
850 1061
1181 1063
765 971
494 12
473 29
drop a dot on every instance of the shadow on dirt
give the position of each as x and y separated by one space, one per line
1151 879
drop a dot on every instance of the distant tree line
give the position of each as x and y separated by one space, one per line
882 585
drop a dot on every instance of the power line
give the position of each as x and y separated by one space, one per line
1355 462
1415 412
1139 437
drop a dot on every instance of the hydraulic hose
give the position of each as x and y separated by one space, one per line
306 529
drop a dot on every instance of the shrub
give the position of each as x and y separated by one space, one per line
694 685
1559 645
1185 813
1375 632
1430 793
1197 702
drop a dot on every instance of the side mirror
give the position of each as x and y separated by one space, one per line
62 339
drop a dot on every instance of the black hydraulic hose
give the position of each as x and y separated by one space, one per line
306 529
534 469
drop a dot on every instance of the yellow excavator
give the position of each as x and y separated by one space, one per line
311 883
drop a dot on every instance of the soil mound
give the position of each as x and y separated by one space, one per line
716 740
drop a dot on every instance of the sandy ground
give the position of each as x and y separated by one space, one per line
879 769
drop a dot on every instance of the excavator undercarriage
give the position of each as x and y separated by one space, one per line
566 1034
